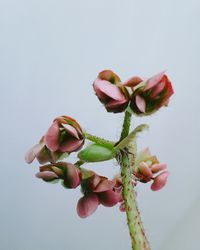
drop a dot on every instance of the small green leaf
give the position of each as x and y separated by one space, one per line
131 137
96 153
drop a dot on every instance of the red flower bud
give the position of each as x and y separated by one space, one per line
110 92
151 95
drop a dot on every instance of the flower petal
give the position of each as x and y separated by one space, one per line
71 130
158 167
71 145
154 80
33 152
47 175
71 176
159 181
109 198
109 76
140 102
133 81
145 171
52 136
108 89
104 185
87 205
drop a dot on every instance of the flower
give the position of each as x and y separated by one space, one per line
148 168
150 95
67 172
64 135
97 190
42 153
110 92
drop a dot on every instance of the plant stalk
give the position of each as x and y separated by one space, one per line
136 230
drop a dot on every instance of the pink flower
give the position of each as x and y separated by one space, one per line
97 190
149 168
67 172
110 92
64 135
150 95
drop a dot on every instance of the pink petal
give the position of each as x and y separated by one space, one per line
157 89
52 136
109 75
145 171
159 181
33 152
133 81
104 186
108 89
47 175
154 80
140 103
71 130
72 176
71 145
115 103
87 205
158 167
109 198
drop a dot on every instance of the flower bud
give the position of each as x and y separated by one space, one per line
64 135
97 190
67 172
96 153
147 166
151 95
110 92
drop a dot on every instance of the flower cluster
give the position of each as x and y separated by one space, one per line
149 169
66 136
143 96
62 138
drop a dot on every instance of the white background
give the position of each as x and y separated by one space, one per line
50 53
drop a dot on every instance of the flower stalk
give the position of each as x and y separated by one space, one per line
136 230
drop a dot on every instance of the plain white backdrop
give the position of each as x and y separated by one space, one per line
50 53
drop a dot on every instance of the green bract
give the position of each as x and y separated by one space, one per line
96 153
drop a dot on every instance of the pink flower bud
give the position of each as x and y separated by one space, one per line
152 95
67 172
109 91
64 135
159 181
97 188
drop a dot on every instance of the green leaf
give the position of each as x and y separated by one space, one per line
131 137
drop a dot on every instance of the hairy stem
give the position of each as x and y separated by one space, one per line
98 140
136 230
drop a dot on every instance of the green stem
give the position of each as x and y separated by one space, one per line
98 140
136 230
